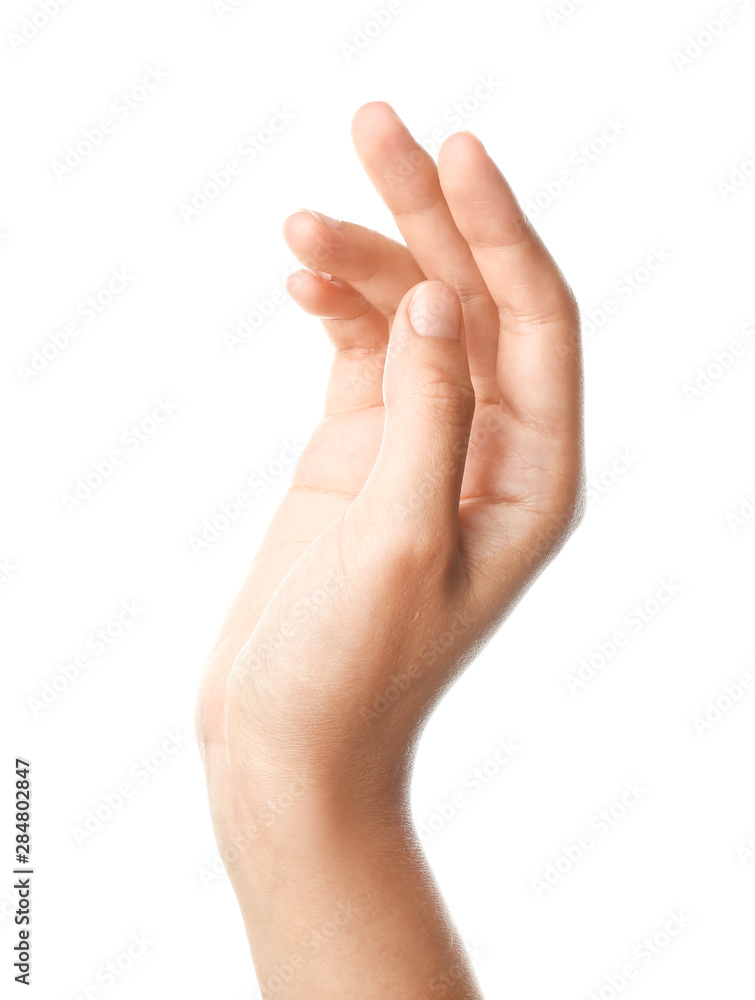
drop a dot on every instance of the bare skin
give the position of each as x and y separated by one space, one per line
446 472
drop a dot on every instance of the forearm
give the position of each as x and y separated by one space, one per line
337 906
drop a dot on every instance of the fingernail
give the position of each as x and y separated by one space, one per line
324 275
325 220
435 311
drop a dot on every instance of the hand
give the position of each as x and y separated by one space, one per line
445 473
425 535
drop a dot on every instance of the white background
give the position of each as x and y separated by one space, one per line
660 514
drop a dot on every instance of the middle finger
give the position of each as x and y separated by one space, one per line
406 178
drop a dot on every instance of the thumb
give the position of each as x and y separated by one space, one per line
429 405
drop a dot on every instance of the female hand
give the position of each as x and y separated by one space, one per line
445 473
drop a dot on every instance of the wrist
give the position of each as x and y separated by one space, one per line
270 814
301 834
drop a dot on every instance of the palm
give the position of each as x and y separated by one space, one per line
342 451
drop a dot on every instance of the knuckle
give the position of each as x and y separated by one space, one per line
416 554
453 398
401 546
